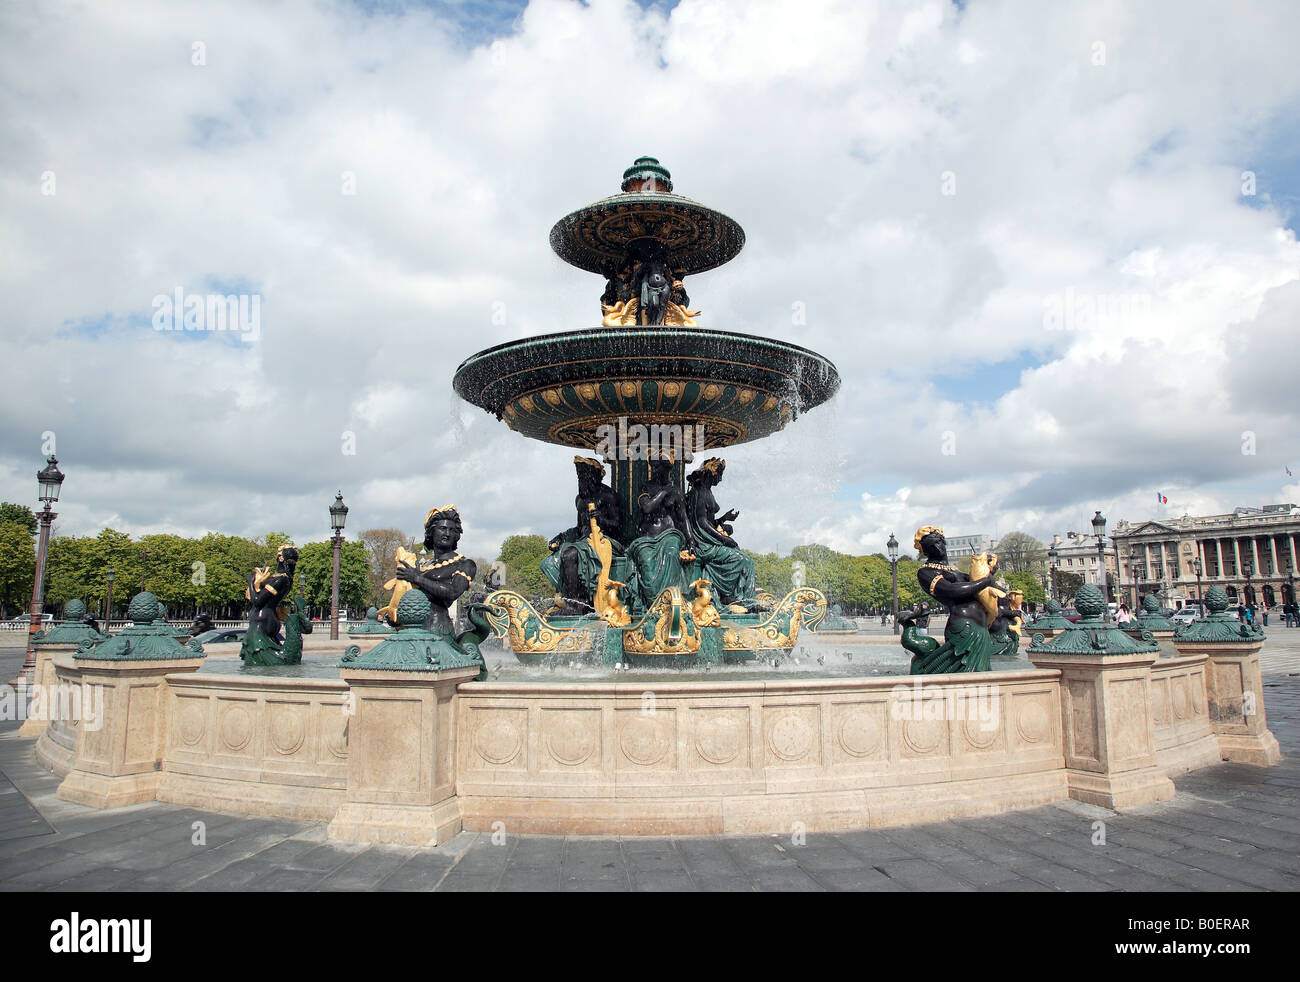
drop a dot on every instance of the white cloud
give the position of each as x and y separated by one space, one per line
824 129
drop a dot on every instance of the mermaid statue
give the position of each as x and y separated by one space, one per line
267 590
664 553
443 578
573 567
967 645
722 563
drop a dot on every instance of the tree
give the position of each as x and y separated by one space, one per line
1020 552
521 555
1029 584
17 565
1067 585
19 515
381 554
314 576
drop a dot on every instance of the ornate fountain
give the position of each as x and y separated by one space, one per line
649 568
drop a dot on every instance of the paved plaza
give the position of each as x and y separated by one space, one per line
1230 828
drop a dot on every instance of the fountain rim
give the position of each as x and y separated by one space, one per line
624 332
584 257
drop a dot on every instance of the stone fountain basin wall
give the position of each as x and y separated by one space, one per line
698 756
750 757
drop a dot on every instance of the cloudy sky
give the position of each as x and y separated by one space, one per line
1051 248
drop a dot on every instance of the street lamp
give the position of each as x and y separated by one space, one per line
1200 600
1053 554
108 602
1137 598
1248 567
48 481
338 515
1099 530
892 546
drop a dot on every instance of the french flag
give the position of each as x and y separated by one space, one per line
1161 499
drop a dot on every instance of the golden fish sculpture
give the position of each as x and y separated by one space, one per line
399 587
980 566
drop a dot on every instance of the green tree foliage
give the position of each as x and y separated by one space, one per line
17 566
314 577
1067 585
18 515
1030 585
521 555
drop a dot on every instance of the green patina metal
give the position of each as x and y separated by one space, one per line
371 625
148 639
71 630
1150 619
177 632
412 648
1217 627
835 622
1091 635
296 624
1050 621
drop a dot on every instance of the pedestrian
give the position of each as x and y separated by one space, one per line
1264 610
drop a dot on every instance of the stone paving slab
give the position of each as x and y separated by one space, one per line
1231 827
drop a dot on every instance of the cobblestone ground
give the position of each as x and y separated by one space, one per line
1231 827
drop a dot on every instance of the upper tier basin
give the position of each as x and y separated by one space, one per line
560 388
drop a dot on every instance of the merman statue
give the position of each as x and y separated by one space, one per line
267 589
296 624
666 546
573 567
722 563
967 645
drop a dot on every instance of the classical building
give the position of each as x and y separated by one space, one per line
960 546
1251 553
1077 554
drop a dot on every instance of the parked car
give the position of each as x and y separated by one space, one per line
1185 615
222 635
27 618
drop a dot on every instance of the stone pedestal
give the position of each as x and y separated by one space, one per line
1235 693
43 686
1110 749
119 754
401 757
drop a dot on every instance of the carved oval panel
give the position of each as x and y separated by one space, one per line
288 731
570 742
718 739
497 740
643 741
336 734
236 728
923 736
1159 704
979 733
791 737
1032 723
1182 700
859 733
191 721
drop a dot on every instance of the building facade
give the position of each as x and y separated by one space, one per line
1077 554
1250 553
961 546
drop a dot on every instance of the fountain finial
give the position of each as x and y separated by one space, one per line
647 174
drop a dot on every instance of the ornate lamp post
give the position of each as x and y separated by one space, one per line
49 481
1053 555
338 515
1248 567
892 546
1137 598
108 602
1200 600
1099 530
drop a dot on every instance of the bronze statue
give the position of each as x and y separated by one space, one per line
967 645
721 561
263 644
661 552
573 567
